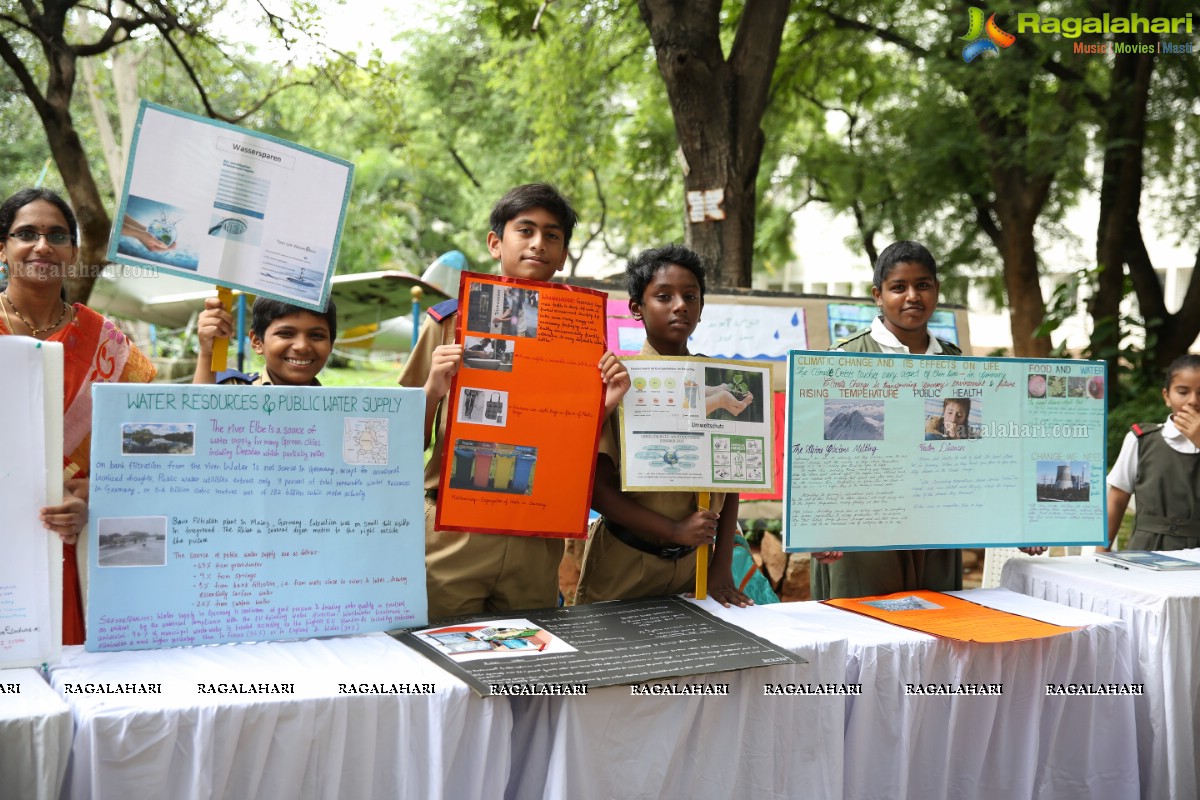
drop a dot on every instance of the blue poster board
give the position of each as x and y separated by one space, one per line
229 514
909 451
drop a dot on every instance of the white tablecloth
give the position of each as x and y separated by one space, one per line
1022 744
613 745
1163 614
314 744
882 744
35 737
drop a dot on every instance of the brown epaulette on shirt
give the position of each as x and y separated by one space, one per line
1140 429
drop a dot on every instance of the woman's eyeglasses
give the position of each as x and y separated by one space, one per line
55 238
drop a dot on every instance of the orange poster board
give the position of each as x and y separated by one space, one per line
949 617
525 410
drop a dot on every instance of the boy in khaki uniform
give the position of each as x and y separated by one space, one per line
472 573
645 544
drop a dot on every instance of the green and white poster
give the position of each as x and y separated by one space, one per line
895 451
697 424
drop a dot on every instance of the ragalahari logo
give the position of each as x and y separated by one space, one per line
984 38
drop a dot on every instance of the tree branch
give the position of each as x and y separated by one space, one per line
109 39
1068 75
463 166
18 23
28 85
885 34
277 24
599 229
1191 297
1149 291
211 110
537 20
754 53
983 218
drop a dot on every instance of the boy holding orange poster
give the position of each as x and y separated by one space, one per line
471 573
645 544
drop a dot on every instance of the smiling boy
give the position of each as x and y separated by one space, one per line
294 342
470 573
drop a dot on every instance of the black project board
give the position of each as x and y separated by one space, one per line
601 644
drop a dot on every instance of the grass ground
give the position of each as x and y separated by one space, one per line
380 372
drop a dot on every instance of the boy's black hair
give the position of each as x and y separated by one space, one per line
642 268
1185 361
266 310
10 207
533 195
902 253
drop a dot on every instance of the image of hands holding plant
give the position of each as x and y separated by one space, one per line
733 394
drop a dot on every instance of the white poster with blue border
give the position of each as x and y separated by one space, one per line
208 200
898 451
233 514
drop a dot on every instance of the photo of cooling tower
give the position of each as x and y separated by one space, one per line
1063 481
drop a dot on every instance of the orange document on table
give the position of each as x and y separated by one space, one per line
525 410
949 617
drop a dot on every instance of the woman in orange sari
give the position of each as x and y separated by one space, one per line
39 242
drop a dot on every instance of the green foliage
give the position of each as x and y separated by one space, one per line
873 114
142 436
1142 402
23 147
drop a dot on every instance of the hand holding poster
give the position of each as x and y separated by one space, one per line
211 201
30 479
523 416
697 424
890 451
226 514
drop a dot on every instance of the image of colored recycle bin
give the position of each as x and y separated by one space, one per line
493 467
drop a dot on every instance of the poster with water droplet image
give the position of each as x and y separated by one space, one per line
697 424
911 451
208 200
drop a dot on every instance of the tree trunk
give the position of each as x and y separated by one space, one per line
1026 308
1019 200
1120 201
718 105
72 163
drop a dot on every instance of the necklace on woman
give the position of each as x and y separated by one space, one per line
35 331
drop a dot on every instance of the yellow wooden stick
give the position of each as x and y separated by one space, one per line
220 353
702 554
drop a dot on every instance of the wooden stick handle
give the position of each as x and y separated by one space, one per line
220 353
702 554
